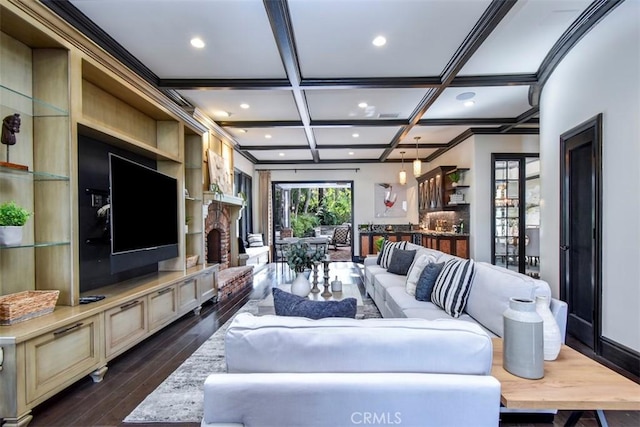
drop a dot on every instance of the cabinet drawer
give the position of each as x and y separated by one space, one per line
56 358
163 307
125 325
187 296
207 286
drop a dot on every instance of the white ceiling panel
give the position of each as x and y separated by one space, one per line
334 37
522 40
282 155
238 37
343 154
433 134
490 102
343 104
263 104
267 137
410 155
345 135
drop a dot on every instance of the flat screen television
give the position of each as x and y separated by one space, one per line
143 215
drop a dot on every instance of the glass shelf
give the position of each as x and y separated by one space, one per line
192 166
193 199
36 245
31 175
193 233
29 106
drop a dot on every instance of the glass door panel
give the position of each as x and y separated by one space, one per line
516 178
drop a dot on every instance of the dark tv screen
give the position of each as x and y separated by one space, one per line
144 214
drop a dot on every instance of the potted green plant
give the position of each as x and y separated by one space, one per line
455 178
12 219
300 256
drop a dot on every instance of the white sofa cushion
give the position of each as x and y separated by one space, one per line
416 268
295 344
492 288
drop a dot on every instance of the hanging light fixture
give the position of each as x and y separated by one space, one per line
402 177
417 164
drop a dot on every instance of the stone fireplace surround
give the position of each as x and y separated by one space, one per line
218 249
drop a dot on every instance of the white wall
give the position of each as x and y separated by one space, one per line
363 187
475 153
600 75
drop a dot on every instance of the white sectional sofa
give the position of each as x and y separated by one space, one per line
491 289
292 371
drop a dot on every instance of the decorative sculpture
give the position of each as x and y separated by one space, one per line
10 126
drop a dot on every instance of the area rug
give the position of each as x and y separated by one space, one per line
179 397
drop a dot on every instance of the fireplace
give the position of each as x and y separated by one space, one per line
218 232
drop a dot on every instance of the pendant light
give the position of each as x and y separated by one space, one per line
417 164
402 177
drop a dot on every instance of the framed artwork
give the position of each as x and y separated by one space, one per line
390 200
219 172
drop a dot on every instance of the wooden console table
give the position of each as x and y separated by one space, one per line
571 382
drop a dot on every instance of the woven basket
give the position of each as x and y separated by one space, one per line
26 305
192 260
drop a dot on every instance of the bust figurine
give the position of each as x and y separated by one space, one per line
10 126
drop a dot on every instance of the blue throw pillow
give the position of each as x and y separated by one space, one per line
287 304
401 261
427 280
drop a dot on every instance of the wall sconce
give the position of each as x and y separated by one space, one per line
402 177
417 164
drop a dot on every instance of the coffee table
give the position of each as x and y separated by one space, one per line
571 382
349 290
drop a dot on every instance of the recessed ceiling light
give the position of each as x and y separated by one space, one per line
355 135
281 154
221 113
245 106
465 96
197 42
267 136
379 41
363 105
469 103
242 130
351 153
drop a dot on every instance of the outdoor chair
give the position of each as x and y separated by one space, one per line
341 236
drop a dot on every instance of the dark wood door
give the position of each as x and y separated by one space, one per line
579 234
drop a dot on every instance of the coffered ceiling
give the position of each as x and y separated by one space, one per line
313 80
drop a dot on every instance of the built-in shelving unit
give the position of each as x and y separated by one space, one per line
65 88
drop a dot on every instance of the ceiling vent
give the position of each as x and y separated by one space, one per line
388 115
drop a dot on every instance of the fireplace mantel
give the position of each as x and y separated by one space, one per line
225 199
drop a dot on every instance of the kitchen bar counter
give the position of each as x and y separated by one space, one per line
444 241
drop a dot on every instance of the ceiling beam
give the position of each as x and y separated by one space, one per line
522 118
280 20
489 20
494 80
371 83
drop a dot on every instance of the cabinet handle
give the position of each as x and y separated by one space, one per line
164 291
131 304
69 329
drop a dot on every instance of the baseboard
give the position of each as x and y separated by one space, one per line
621 356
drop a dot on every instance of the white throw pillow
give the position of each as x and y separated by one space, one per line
453 285
255 240
414 272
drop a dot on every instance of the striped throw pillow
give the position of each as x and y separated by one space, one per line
453 285
387 251
255 240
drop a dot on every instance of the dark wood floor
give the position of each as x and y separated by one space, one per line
136 373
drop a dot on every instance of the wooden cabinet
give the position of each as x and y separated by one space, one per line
53 358
188 298
435 189
163 307
431 189
207 285
453 244
125 325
